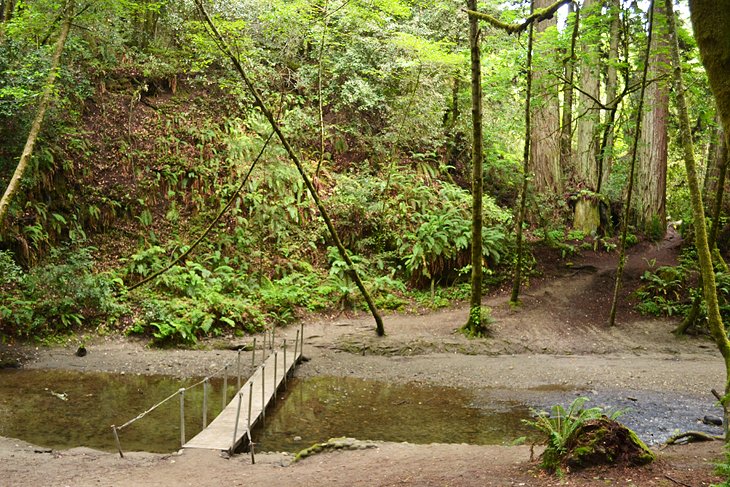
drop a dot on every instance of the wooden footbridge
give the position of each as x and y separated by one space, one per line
232 427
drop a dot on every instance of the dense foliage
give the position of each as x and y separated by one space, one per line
151 134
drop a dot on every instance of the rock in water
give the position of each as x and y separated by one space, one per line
81 351
713 420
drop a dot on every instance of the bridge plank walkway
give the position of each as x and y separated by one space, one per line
219 435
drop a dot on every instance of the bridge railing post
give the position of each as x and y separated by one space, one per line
182 417
224 393
238 371
263 394
250 397
235 427
116 439
276 360
296 346
286 371
253 353
205 403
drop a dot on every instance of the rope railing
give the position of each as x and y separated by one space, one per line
206 380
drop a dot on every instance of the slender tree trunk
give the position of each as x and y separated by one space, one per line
295 159
566 127
632 171
8 6
606 155
474 325
545 143
651 176
320 101
699 8
35 128
514 299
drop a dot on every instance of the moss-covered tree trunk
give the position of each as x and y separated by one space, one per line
710 20
474 325
35 129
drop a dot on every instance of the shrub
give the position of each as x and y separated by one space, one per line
55 297
559 426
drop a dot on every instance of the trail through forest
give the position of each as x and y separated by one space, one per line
554 347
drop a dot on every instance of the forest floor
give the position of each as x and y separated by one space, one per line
555 346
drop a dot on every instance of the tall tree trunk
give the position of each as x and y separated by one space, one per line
716 165
566 126
35 128
474 325
710 20
588 97
651 176
545 136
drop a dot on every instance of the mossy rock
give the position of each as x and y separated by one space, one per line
604 441
334 444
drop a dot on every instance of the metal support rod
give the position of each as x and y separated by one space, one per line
238 371
296 346
235 427
250 397
276 360
301 345
182 417
205 403
253 353
116 439
273 331
263 348
263 394
250 444
286 371
225 387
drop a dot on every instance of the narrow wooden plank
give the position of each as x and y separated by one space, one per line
219 433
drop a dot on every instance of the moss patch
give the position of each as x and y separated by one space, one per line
334 444
604 441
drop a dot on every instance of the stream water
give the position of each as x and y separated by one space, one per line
65 409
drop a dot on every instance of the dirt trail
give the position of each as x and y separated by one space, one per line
556 345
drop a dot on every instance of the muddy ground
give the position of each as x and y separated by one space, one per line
554 347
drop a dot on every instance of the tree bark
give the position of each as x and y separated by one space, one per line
588 106
474 325
651 176
35 129
566 127
545 136
717 49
